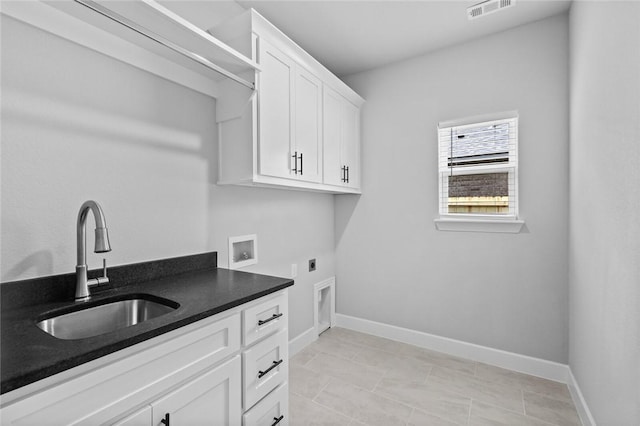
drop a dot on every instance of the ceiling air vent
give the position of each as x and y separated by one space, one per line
488 7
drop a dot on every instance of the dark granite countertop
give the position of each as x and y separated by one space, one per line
28 354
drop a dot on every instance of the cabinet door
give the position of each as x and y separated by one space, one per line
341 140
213 399
307 126
275 105
332 137
142 417
350 150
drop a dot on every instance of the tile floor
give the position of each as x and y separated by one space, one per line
351 378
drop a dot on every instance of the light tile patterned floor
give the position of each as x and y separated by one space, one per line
351 378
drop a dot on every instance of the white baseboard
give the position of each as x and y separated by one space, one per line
302 340
509 360
578 399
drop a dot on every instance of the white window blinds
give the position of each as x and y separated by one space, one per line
478 167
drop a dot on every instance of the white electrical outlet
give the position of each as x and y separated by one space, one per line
294 270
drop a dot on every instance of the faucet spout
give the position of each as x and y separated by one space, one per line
102 245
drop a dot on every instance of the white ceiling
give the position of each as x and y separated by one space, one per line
357 35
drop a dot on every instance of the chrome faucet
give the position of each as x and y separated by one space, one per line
101 246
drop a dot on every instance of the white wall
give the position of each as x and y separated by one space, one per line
604 275
506 291
78 125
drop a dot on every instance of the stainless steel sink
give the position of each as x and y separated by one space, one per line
106 317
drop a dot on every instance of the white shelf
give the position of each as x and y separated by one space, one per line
144 22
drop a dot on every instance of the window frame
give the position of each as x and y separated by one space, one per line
479 222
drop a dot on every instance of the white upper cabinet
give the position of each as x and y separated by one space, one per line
289 120
286 135
341 140
307 124
275 103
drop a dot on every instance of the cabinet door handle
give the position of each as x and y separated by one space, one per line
347 174
274 365
301 163
273 317
295 159
165 421
277 420
343 178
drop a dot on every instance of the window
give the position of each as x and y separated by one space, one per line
478 168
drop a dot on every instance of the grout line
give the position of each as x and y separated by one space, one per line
429 375
323 388
413 410
334 411
309 360
426 379
377 383
329 408
470 408
518 413
568 400
408 404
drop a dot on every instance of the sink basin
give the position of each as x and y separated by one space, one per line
105 317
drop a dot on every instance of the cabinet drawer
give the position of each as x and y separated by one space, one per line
102 394
265 366
264 319
272 410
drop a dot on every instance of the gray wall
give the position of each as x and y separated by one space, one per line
604 240
78 125
506 291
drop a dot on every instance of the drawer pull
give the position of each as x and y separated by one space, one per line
275 316
295 159
165 421
274 365
277 420
301 164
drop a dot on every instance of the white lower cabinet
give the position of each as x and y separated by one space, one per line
190 376
211 399
141 417
271 411
264 319
265 366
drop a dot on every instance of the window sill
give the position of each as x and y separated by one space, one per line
510 226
